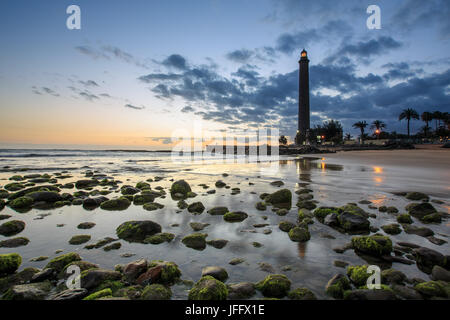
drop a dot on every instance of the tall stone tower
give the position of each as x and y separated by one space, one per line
303 97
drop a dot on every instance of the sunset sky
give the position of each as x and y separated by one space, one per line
139 70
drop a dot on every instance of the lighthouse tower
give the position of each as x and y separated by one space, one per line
303 98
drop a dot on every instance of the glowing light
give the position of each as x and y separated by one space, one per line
378 169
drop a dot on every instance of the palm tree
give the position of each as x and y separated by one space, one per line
361 125
426 117
283 140
378 125
408 114
348 137
437 116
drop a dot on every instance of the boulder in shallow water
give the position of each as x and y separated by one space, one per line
208 288
118 204
9 263
374 245
11 228
274 286
137 231
280 199
195 241
236 216
218 273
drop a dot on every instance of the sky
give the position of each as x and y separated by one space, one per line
139 72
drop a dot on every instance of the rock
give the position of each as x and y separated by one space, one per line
31 291
431 289
322 212
420 231
180 187
406 293
152 275
151 206
286 226
236 261
432 218
14 242
99 294
4 216
160 238
114 246
46 274
14 186
257 244
274 285
100 243
392 276
366 294
195 241
242 290
306 204
351 221
92 203
216 211
118 204
71 294
277 183
40 258
134 269
87 183
439 273
427 258
86 225
236 216
331 220
182 204
82 265
11 228
208 288
340 264
416 196
365 202
137 231
169 272
436 241
299 234
419 210
280 199
404 218
343 248
62 261
266 267
21 203
92 278
218 273
260 206
301 294
393 228
46 196
217 243
391 210
80 239
156 292
9 263
141 199
358 275
196 208
337 285
374 245
220 184
282 212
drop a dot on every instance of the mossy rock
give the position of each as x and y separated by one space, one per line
261 206
208 288
393 228
118 204
60 262
141 199
195 241
218 211
274 285
160 238
431 289
282 212
321 212
391 210
358 275
29 291
299 234
4 194
416 196
9 263
21 203
99 294
286 226
137 231
86 225
83 265
142 185
306 204
280 199
11 228
375 245
404 218
14 242
156 292
337 286
79 239
113 246
152 206
170 272
432 218
182 204
15 186
180 187
301 294
419 210
236 216
392 276
196 208
17 178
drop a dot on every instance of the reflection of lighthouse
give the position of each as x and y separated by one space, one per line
303 97
301 246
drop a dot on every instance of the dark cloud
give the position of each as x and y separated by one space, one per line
89 83
175 61
50 92
130 106
88 96
108 52
187 109
240 56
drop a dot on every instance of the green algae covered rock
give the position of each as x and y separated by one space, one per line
99 294
337 286
170 272
375 245
195 241
118 204
286 226
218 211
137 231
432 288
152 206
21 203
180 187
416 196
236 216
280 199
419 210
156 292
80 239
393 228
196 208
404 218
299 234
274 285
208 288
358 275
9 263
11 228
62 261
160 238
301 294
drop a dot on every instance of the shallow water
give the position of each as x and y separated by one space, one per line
310 264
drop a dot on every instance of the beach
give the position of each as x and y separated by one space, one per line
376 184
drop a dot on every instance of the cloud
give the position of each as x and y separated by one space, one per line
187 109
240 56
91 52
89 83
108 52
175 61
245 56
50 92
88 96
134 107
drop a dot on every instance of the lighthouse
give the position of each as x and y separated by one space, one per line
303 98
